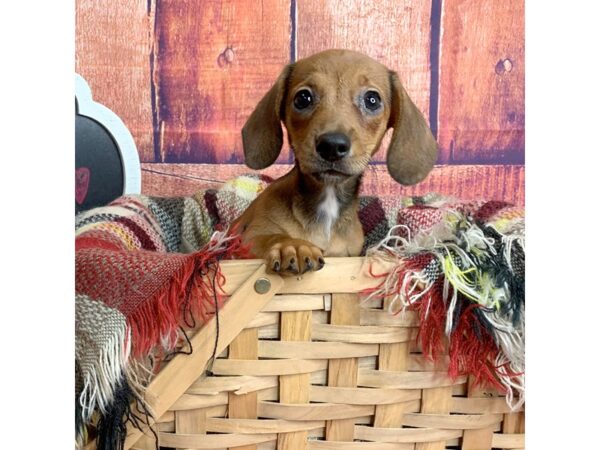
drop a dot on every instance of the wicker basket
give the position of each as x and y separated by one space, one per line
304 365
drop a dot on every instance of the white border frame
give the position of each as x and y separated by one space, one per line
132 170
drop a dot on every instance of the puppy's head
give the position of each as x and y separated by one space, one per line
336 106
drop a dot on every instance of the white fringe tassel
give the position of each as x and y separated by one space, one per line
447 244
100 379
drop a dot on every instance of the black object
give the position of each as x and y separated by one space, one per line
106 160
98 165
333 146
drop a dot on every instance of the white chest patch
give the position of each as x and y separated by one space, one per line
328 210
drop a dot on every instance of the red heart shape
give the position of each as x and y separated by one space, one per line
82 183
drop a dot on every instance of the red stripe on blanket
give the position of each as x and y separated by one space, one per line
139 232
88 241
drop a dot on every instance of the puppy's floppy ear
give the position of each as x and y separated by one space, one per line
413 150
262 136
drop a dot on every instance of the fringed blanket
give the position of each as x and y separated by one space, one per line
147 270
462 268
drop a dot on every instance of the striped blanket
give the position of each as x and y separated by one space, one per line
147 270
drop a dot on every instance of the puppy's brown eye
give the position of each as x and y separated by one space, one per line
303 99
372 100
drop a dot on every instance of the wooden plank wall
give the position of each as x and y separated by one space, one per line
185 75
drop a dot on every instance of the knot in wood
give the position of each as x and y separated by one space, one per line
225 58
503 66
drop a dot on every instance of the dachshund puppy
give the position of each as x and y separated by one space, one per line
336 106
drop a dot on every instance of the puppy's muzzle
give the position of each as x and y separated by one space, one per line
333 146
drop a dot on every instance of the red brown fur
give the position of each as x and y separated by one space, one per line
312 211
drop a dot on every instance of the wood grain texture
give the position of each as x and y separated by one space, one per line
514 423
392 357
342 407
183 370
113 49
146 442
216 59
190 422
435 401
394 32
295 326
343 372
467 182
478 439
244 406
340 275
482 82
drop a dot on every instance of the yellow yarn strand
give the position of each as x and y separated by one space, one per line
459 278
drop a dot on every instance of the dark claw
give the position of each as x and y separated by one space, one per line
321 263
277 266
293 267
308 264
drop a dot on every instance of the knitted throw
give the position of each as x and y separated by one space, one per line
147 270
462 268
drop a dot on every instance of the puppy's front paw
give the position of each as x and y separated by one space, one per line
294 256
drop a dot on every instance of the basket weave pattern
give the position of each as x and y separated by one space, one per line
325 371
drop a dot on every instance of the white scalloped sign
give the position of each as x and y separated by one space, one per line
99 132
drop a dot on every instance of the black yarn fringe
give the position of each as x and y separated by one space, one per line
79 425
112 425
514 279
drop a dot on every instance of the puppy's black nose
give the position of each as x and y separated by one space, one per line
333 146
